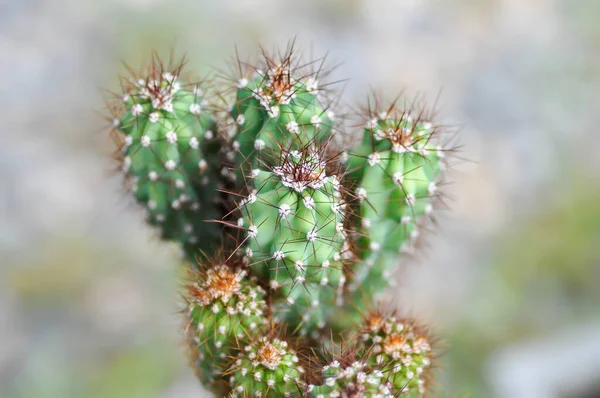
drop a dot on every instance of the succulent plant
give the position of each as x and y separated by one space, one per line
343 371
304 231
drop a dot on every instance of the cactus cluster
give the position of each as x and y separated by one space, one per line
291 236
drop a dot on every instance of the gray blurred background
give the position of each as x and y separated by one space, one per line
510 280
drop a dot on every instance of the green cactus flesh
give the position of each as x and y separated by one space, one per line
275 110
395 170
294 219
402 348
168 144
224 307
266 368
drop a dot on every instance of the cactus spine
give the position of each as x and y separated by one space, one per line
296 221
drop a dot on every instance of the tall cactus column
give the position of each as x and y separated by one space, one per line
168 147
293 210
282 289
396 170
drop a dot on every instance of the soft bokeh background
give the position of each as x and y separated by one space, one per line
510 281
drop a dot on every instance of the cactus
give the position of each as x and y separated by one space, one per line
223 303
267 367
402 347
294 217
277 106
352 381
167 148
344 372
396 171
295 214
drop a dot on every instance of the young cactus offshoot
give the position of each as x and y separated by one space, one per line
344 372
308 238
400 346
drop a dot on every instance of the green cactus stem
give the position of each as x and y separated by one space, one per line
224 306
294 218
168 147
396 170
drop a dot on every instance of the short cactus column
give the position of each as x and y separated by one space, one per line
402 347
267 367
396 171
294 218
277 107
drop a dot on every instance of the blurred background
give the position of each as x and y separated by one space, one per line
510 280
